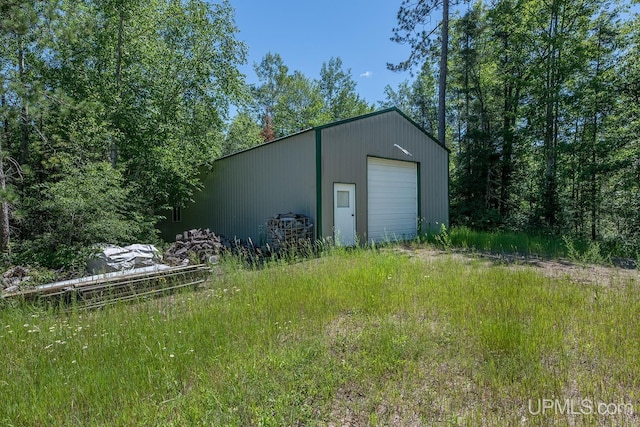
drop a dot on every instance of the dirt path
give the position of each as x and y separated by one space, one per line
554 268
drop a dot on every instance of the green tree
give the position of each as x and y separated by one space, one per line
622 177
286 102
418 99
145 86
413 18
164 73
559 55
23 31
272 74
89 205
300 106
591 151
243 133
542 108
338 91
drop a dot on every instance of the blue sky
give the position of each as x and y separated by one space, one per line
307 33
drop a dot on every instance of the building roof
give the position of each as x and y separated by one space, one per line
341 122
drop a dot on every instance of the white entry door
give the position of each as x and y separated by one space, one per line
344 214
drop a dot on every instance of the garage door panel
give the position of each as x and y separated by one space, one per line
392 199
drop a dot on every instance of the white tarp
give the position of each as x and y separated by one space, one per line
115 258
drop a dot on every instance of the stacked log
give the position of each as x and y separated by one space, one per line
286 231
197 245
15 279
204 246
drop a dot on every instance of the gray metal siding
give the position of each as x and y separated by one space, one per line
346 146
247 188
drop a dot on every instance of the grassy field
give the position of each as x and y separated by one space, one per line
362 337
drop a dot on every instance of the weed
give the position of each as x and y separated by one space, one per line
443 238
592 254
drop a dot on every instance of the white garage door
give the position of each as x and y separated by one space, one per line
392 199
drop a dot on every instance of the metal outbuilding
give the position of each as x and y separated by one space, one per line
374 177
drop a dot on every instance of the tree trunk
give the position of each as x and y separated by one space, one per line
4 206
118 74
442 87
595 196
511 94
24 111
5 230
550 186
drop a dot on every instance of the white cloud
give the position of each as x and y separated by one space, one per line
366 74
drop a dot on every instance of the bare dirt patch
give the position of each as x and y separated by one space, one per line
554 268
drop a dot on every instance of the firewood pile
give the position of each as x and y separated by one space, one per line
204 246
15 279
285 231
197 243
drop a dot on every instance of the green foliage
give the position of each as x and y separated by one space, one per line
338 91
586 253
290 102
89 205
418 99
143 85
243 133
443 238
542 115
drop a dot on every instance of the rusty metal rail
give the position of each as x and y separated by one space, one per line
109 289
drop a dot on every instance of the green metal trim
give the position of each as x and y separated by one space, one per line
356 118
419 172
318 183
265 144
421 129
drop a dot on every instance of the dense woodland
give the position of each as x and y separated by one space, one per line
543 113
110 110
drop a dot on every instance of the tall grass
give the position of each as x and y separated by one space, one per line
500 241
575 249
359 336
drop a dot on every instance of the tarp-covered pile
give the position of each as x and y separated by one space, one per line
115 258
